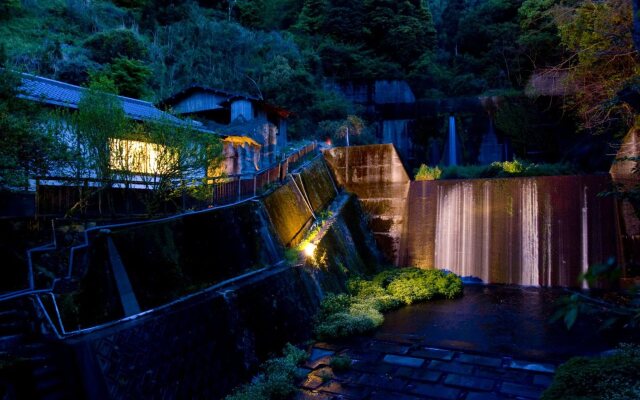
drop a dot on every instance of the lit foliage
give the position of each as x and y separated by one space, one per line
100 116
276 379
497 169
614 376
104 139
598 35
426 173
360 311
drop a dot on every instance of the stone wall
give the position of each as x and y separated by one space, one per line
204 344
202 347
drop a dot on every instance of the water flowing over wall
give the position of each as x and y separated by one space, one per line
376 175
527 231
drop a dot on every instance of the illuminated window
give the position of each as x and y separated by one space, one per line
136 156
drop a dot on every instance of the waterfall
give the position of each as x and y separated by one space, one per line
453 159
524 231
455 233
529 256
486 230
584 228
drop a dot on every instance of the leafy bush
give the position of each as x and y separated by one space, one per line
506 169
276 379
361 310
340 363
608 377
426 173
107 46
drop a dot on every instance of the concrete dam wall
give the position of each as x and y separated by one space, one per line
525 231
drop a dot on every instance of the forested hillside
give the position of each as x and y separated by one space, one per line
286 51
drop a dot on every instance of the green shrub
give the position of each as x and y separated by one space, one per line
426 173
276 379
608 377
340 363
506 169
361 310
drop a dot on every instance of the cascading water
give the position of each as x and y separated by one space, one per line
525 231
453 158
530 240
585 235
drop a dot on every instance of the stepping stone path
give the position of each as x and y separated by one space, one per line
403 369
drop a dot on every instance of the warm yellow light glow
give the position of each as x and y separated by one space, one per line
135 156
309 250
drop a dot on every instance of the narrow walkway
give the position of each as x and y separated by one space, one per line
404 369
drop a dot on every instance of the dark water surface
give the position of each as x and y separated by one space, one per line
505 320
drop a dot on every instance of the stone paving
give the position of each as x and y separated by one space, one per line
402 367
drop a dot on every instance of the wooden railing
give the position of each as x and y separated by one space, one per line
57 196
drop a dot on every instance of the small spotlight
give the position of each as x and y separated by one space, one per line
309 250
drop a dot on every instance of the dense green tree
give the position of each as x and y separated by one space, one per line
107 46
602 60
401 31
312 18
131 77
9 7
268 14
28 147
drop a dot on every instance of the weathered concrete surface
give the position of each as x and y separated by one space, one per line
376 175
527 231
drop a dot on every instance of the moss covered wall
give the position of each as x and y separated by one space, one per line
169 258
200 348
346 248
287 206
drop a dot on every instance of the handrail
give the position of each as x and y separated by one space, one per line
223 188
32 291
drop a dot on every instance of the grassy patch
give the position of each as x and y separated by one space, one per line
360 311
504 169
613 377
276 379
